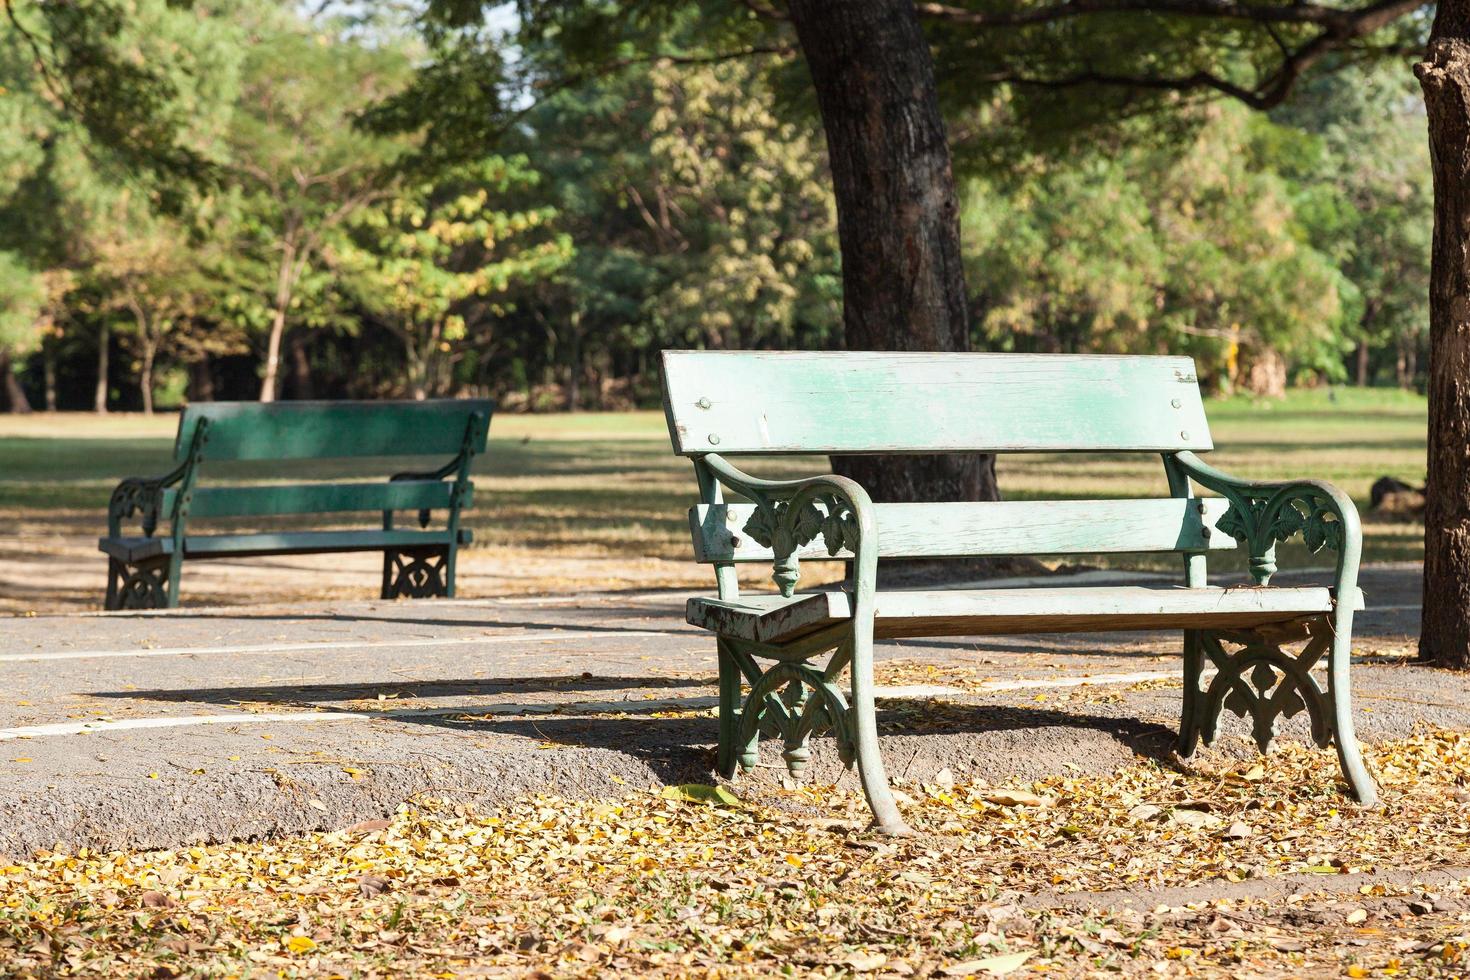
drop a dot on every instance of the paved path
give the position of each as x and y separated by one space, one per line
156 730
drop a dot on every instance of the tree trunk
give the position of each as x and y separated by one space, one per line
48 370
897 213
286 276
301 385
273 353
15 395
1444 636
104 345
1362 371
201 382
145 377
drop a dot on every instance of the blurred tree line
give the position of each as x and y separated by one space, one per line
351 205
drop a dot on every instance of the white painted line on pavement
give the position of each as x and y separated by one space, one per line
85 727
327 645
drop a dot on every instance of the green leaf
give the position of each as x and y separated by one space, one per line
700 793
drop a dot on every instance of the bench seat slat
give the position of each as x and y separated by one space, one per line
291 543
315 498
1009 527
980 612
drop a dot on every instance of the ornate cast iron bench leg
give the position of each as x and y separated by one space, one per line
793 699
416 573
141 585
1259 680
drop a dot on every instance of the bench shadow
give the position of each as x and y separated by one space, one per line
676 749
314 696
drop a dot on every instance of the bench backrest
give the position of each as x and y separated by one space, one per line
805 403
331 430
733 402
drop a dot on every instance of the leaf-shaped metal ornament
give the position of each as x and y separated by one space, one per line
839 527
1234 523
761 528
1288 522
808 523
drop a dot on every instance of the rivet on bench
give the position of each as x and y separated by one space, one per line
714 440
703 403
1184 435
1176 403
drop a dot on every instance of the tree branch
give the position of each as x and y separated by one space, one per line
1292 13
1270 91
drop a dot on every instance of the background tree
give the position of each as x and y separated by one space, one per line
439 258
303 169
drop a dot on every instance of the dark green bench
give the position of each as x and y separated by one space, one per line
143 570
1237 640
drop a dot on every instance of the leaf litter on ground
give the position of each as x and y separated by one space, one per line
1058 877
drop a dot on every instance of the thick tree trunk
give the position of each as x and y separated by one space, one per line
15 395
104 349
1362 372
1444 636
898 216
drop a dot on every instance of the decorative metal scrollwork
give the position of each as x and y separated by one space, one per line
1261 520
416 573
1259 682
136 495
794 701
784 526
140 586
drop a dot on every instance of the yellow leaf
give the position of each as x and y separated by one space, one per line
1357 971
994 965
300 944
24 758
794 861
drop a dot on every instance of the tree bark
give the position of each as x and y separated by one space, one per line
286 275
201 380
1362 371
104 345
301 383
15 395
1444 636
897 213
48 369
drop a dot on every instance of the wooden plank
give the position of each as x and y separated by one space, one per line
1008 527
315 498
980 612
289 543
885 402
326 430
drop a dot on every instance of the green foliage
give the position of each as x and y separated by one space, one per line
1258 239
22 298
436 262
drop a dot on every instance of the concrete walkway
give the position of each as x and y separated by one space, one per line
204 725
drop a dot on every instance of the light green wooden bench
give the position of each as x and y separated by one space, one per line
143 570
727 404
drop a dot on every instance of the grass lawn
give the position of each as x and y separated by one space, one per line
608 484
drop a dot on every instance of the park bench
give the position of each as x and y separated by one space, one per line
1251 648
143 570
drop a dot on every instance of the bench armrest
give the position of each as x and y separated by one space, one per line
1265 512
792 513
140 495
